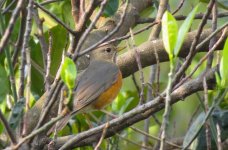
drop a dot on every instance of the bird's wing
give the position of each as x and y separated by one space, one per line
97 78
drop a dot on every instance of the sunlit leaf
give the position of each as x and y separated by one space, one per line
223 65
48 21
68 72
169 32
184 30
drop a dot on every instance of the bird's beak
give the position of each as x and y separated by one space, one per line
120 48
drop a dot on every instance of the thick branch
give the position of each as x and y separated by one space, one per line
127 62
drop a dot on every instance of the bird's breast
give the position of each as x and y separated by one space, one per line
109 95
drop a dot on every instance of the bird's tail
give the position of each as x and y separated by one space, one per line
63 122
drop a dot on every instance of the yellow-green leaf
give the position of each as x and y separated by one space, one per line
169 32
69 72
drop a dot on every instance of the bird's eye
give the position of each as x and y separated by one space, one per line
108 50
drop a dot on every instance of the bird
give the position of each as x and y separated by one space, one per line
96 86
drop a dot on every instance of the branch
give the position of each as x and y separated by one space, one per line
147 51
9 29
181 17
9 131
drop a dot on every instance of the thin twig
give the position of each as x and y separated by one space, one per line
55 18
138 59
24 48
207 123
136 84
8 7
157 71
19 43
84 15
89 29
75 5
132 142
219 141
28 88
165 121
213 40
155 138
8 129
47 76
157 28
59 112
102 136
178 7
49 2
9 29
26 57
129 35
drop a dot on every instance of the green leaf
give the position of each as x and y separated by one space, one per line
4 81
69 72
223 66
197 124
184 29
169 32
111 7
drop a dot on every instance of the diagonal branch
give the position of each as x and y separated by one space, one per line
147 50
